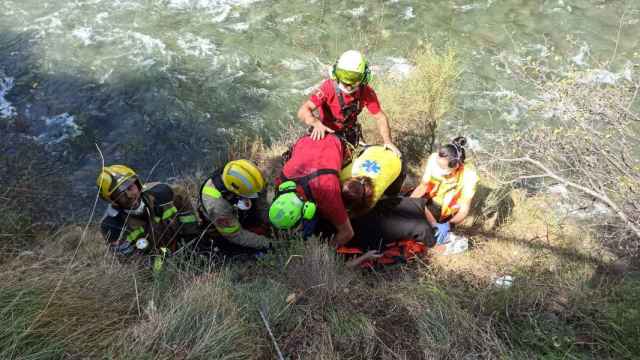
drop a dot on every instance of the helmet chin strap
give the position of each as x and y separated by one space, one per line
136 211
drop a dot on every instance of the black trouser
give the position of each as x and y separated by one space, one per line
396 186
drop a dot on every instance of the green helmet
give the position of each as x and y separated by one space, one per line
288 209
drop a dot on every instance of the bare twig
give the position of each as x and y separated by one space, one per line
521 178
615 49
598 195
273 339
633 99
135 284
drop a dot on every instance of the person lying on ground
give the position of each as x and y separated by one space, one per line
340 100
450 185
233 211
395 230
144 219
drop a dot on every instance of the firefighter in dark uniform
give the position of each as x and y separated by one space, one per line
232 206
154 218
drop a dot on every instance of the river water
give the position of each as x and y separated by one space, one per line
164 84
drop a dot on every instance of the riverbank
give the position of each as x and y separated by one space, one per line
569 297
532 285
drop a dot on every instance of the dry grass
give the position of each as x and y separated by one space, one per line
417 104
195 321
565 300
267 158
67 298
532 238
318 273
52 304
353 332
446 329
560 272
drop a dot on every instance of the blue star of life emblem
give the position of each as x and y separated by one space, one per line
371 166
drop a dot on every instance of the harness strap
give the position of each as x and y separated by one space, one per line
350 113
220 190
216 179
304 180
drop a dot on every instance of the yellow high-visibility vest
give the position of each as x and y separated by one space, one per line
382 165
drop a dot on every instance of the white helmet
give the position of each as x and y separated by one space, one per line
351 68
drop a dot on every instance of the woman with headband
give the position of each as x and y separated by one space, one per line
450 187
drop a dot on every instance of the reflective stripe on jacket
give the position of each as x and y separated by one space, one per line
224 218
168 216
448 192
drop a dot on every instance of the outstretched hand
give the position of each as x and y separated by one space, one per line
442 230
372 254
319 130
393 148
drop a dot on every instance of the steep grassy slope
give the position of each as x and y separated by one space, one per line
63 297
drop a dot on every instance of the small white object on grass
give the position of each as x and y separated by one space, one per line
142 244
455 244
504 281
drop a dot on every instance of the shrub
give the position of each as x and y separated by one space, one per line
585 138
417 104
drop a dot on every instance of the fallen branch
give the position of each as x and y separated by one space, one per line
600 196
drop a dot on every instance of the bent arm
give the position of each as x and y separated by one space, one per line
119 239
465 206
383 126
344 233
305 113
430 218
468 192
229 228
225 221
419 191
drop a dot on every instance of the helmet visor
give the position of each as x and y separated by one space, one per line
123 187
349 77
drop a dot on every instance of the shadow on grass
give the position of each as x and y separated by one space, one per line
491 206
540 244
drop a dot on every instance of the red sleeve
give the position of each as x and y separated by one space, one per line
329 201
370 100
322 94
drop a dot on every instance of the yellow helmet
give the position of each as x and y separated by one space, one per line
112 178
243 178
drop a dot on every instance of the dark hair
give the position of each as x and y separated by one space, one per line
454 152
357 194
